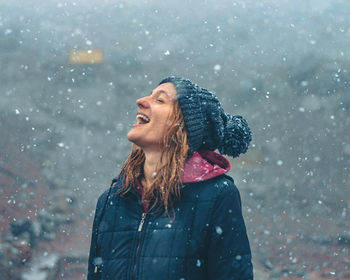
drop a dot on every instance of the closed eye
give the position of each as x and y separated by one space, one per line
159 100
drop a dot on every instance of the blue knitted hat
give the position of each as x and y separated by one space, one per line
208 126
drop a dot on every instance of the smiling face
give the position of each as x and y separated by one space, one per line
152 119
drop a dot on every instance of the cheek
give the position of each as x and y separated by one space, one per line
168 123
163 127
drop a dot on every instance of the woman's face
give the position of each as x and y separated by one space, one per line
152 119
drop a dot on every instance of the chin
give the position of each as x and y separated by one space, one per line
130 137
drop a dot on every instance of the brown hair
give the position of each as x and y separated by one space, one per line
166 185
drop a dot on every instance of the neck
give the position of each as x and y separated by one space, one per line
150 167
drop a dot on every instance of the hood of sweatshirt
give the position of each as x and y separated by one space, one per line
204 165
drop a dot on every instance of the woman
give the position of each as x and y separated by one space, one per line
172 213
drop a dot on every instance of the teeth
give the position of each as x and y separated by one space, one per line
143 117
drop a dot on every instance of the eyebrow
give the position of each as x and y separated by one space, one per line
161 91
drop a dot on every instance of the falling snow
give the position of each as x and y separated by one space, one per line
283 66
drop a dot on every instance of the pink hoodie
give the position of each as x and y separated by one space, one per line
204 165
201 166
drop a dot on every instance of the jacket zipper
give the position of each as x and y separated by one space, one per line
138 241
142 221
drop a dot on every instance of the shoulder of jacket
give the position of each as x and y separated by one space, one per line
227 193
111 190
224 182
225 187
102 197
215 187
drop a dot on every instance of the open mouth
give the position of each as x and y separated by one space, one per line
142 119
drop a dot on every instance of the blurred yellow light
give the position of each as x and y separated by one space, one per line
85 56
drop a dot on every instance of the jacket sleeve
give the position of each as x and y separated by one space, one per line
93 258
229 254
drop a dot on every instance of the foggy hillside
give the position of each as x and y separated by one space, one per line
282 65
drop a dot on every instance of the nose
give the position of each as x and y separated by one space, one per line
142 102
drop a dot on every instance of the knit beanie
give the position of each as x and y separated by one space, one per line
208 127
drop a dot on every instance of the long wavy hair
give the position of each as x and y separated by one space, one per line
166 184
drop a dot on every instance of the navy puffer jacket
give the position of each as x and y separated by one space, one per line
207 239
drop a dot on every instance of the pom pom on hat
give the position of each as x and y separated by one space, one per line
237 136
208 126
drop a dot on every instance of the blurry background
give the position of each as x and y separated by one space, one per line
70 73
